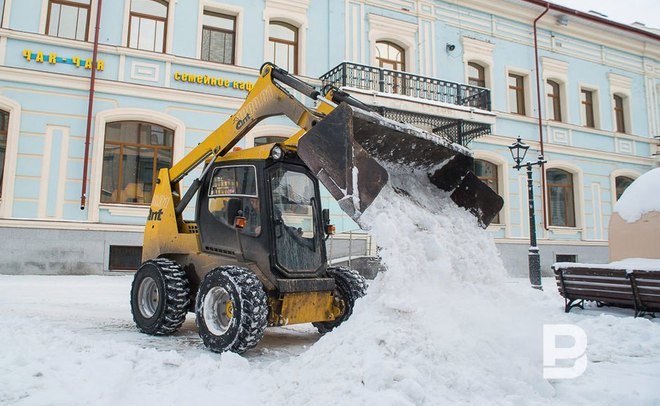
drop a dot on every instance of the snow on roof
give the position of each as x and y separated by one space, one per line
641 197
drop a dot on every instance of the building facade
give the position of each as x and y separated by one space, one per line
170 72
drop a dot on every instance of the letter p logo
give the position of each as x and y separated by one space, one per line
552 353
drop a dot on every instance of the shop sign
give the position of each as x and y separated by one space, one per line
53 59
207 80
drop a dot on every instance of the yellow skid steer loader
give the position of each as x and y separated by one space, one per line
255 255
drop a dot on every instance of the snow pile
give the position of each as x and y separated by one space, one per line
641 197
443 325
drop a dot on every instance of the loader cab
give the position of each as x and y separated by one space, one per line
266 212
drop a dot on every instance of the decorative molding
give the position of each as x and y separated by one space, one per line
293 12
630 173
269 130
619 82
125 210
560 136
397 31
145 71
623 146
481 52
11 154
578 194
122 114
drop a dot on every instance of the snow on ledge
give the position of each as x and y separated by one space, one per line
629 264
641 197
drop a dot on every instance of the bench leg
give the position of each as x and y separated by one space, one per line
571 303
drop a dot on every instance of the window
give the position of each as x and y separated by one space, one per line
283 46
124 258
517 94
4 124
133 153
619 114
587 100
218 37
68 19
390 56
233 193
148 25
268 140
554 100
622 183
566 258
476 75
560 196
487 173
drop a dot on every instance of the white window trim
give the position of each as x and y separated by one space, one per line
11 155
480 52
98 143
502 186
292 12
526 74
270 130
93 9
556 71
227 9
616 173
596 100
622 86
399 32
578 194
169 28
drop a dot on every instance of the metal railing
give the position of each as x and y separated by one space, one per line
349 74
346 246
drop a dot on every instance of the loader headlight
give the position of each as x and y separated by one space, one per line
276 153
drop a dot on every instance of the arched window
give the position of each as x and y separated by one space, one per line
622 183
283 45
487 172
4 125
133 153
619 114
561 198
554 100
476 74
147 27
390 56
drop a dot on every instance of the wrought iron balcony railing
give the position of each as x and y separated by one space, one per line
408 84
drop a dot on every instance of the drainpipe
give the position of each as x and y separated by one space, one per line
538 104
90 106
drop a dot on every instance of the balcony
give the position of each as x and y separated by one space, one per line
457 112
348 74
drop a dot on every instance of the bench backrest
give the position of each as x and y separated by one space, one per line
647 287
610 286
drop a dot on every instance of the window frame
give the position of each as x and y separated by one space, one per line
570 188
164 20
521 94
219 168
4 131
400 66
619 113
136 145
295 43
481 70
616 186
206 10
586 105
554 95
70 4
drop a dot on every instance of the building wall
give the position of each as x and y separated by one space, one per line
48 105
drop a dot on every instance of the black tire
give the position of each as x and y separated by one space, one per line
349 287
160 297
231 309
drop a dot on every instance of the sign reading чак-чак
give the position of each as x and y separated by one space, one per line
53 59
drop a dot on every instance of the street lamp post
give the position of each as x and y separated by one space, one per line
518 151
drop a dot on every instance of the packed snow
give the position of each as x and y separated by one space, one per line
443 325
641 197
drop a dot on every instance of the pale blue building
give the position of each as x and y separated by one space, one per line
169 72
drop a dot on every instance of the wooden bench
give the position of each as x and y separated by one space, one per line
608 286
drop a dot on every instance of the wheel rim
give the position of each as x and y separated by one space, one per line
148 297
218 310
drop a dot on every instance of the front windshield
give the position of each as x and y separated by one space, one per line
298 246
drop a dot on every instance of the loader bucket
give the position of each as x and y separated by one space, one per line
352 152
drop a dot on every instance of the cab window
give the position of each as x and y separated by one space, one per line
232 193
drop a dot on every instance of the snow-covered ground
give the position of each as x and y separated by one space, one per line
444 325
